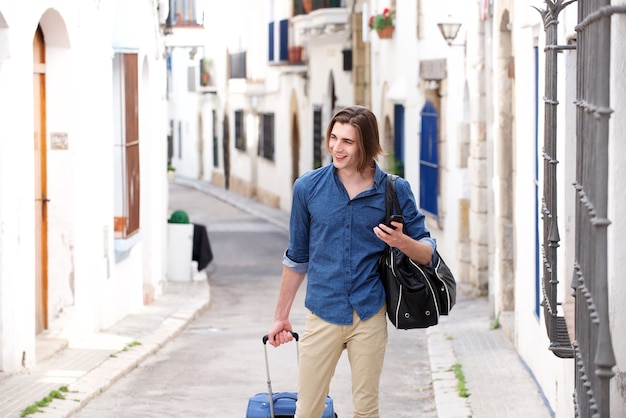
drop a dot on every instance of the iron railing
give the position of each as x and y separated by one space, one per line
556 327
593 347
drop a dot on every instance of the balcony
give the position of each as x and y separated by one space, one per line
183 27
320 21
289 38
307 6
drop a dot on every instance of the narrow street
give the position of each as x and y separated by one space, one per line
217 362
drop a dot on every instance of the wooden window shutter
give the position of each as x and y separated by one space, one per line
131 119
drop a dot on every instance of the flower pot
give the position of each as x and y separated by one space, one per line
386 32
295 54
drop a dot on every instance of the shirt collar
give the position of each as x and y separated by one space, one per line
379 177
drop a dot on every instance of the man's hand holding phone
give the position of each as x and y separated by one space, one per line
395 218
384 230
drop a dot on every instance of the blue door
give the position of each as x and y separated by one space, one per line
429 160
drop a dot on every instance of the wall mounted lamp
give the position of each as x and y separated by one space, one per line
449 31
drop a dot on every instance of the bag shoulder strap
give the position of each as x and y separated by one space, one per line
392 206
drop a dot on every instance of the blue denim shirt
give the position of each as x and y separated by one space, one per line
332 241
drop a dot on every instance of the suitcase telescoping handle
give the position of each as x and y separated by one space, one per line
270 393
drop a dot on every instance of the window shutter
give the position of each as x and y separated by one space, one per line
131 115
284 40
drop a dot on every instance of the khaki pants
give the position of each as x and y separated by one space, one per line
321 346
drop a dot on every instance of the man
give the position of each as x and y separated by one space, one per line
336 237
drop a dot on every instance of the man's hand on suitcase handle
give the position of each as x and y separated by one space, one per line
294 335
280 333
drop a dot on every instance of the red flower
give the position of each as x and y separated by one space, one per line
382 20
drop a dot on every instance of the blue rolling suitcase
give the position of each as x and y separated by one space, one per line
283 404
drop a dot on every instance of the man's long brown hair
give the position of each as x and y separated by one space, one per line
367 129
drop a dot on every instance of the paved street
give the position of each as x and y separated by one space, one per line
200 352
217 362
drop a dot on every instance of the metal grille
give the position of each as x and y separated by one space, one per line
240 131
266 145
593 346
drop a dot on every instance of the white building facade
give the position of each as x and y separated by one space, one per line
83 212
471 124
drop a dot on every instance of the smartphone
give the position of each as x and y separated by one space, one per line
395 218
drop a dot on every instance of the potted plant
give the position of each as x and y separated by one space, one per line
383 23
206 68
171 172
295 54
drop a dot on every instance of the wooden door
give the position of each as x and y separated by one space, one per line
41 200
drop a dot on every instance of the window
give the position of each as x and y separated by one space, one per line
216 159
184 13
237 63
126 144
266 139
283 48
283 41
240 131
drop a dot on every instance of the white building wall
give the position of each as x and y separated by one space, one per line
84 281
454 112
275 177
184 112
17 270
554 375
531 338
455 181
325 64
154 196
395 68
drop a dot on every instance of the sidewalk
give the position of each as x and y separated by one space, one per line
89 367
499 383
497 380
